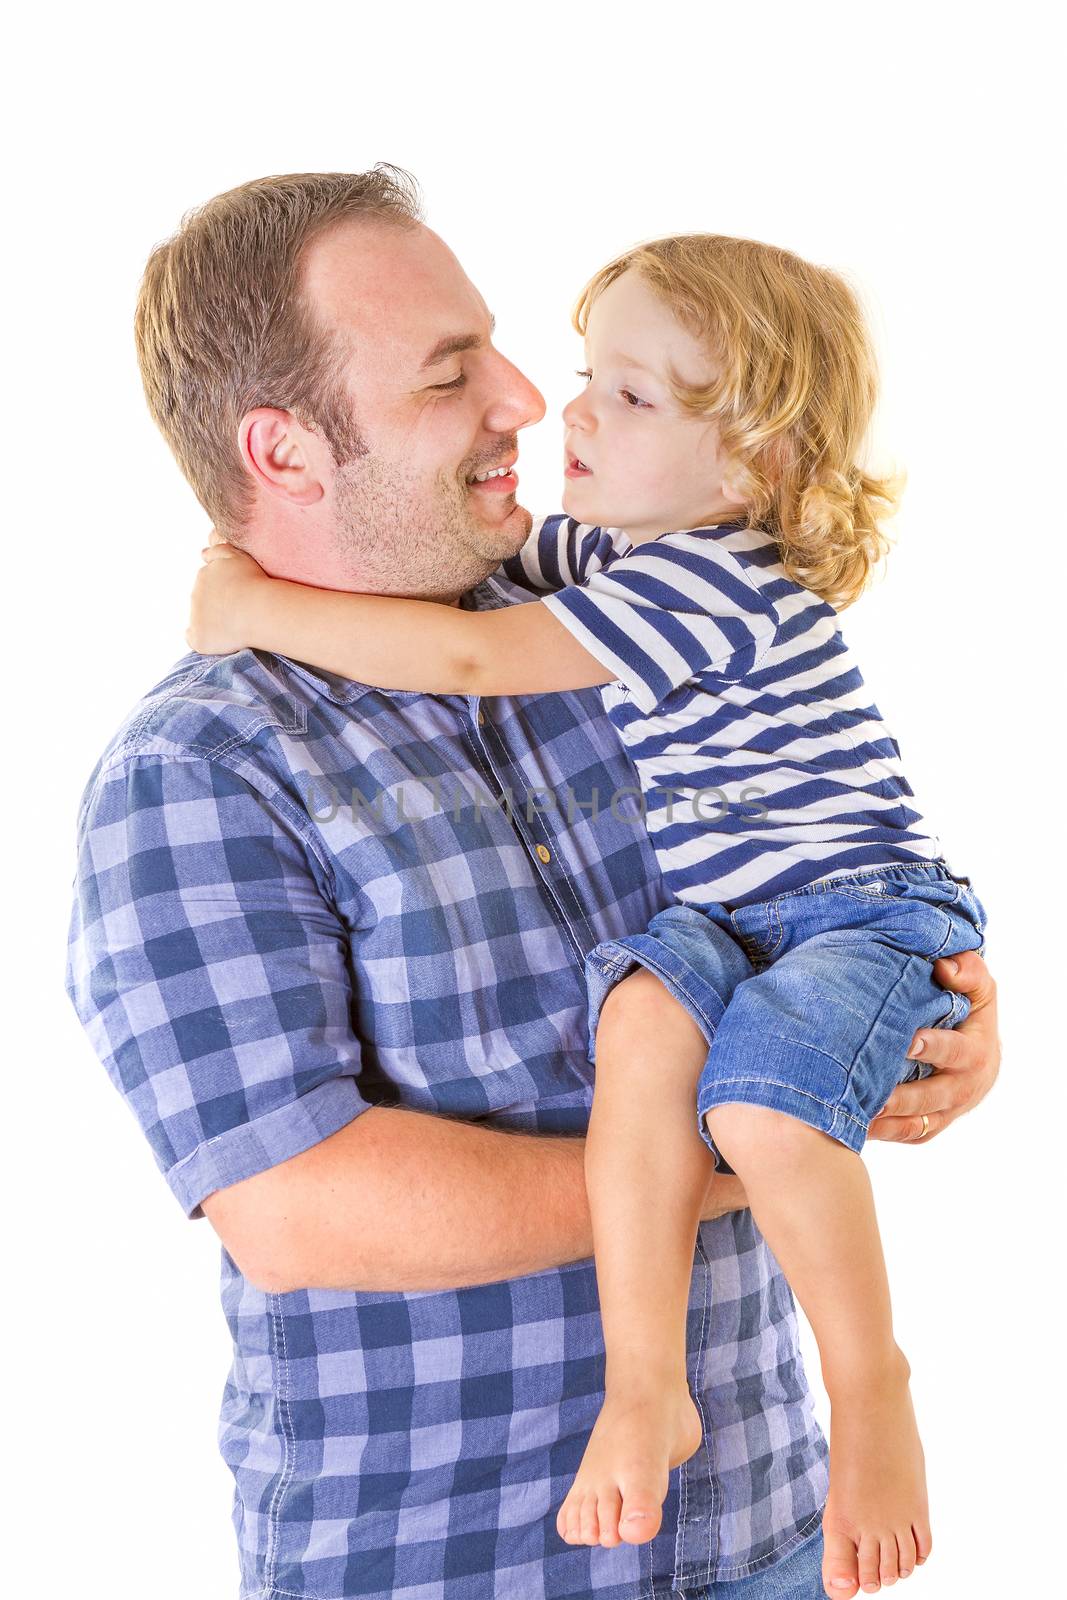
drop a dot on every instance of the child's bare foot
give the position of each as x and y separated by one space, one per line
876 1526
621 1484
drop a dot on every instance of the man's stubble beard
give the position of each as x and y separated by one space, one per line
397 535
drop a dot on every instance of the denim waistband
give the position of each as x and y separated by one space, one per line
896 869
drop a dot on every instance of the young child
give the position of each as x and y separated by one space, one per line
715 517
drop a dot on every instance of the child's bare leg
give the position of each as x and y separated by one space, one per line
811 1198
647 1172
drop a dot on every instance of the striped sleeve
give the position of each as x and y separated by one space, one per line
558 553
674 607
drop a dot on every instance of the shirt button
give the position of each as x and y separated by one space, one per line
544 852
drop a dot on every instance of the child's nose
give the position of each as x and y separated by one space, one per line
576 412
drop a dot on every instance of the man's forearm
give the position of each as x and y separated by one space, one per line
404 1200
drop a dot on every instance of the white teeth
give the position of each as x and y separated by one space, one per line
497 472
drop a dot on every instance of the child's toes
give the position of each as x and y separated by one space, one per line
590 1526
642 1512
839 1578
888 1566
868 1560
567 1519
608 1512
906 1552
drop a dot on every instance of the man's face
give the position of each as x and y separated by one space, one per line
434 402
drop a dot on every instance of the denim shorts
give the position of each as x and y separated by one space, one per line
798 1576
808 1001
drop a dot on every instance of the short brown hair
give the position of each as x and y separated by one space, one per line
222 326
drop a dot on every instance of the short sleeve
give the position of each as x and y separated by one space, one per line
669 609
210 971
559 552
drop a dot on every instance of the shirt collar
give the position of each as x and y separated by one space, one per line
712 529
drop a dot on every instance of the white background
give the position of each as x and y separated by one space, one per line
911 149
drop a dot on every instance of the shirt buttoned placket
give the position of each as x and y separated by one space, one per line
694 1555
529 822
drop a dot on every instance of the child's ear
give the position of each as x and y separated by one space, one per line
729 491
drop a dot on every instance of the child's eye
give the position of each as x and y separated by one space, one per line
457 383
638 403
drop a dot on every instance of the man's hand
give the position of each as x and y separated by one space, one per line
966 1059
227 589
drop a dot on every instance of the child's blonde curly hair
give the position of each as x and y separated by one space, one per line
793 400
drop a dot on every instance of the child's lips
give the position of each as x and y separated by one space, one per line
576 468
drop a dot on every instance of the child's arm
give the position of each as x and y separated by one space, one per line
673 608
384 640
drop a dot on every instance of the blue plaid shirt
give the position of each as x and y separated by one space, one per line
298 896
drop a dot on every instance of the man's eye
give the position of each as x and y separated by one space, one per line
457 383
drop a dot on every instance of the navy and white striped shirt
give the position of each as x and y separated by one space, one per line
298 896
762 760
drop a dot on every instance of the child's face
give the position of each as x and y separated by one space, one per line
652 466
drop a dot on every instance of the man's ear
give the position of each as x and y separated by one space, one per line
281 455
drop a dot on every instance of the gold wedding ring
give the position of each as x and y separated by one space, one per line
926 1126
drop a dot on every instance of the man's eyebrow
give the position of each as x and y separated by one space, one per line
454 345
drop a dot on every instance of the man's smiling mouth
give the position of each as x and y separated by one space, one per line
497 480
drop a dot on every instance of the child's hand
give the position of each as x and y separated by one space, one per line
223 602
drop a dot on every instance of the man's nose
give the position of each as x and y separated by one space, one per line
516 404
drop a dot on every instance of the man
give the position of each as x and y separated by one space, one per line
329 941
